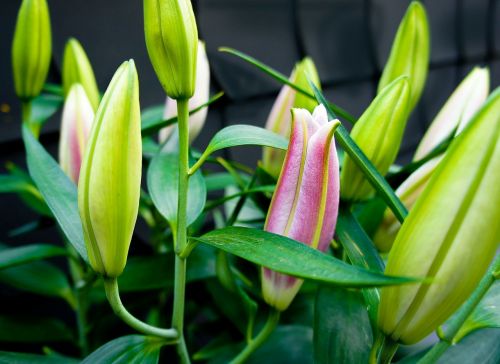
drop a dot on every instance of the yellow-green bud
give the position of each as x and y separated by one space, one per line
110 177
76 68
378 132
305 69
410 52
172 42
451 235
31 48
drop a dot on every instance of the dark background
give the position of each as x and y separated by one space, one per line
349 41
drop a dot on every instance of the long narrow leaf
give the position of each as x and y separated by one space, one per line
25 254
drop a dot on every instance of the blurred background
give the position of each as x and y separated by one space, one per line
349 41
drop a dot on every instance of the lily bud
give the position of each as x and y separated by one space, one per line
200 97
279 119
76 68
454 116
451 234
31 48
378 132
304 206
458 110
409 53
172 43
110 178
77 119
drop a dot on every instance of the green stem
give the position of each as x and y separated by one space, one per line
181 235
451 334
26 116
383 350
256 342
113 295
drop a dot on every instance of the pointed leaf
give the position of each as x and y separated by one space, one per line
288 256
127 349
163 185
25 254
336 339
57 189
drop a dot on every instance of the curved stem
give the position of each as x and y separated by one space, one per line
26 116
180 241
113 295
452 332
256 342
383 349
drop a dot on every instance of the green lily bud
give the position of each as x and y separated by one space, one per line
378 132
306 69
110 176
410 52
172 43
451 235
76 68
31 48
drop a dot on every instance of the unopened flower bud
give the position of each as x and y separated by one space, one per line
200 97
77 119
378 132
76 68
304 206
110 178
410 52
31 48
450 236
172 43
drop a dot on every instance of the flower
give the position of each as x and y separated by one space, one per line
453 117
200 97
76 68
409 53
304 206
279 120
77 119
451 234
172 42
31 48
378 132
110 178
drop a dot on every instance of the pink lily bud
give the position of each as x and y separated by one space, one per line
458 110
304 206
77 119
200 97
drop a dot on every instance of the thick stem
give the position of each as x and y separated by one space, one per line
180 241
383 349
113 295
255 343
26 116
452 332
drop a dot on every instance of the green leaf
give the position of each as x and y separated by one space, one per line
25 358
152 119
22 185
127 349
163 185
44 106
38 277
238 135
361 252
291 257
219 181
25 254
58 191
31 329
284 80
342 331
485 315
376 179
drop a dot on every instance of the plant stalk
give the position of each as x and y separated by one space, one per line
113 295
26 116
256 342
383 349
180 241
